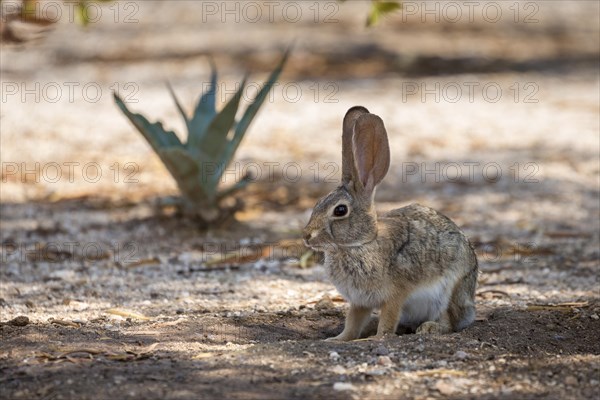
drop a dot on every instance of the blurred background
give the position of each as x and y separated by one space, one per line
431 71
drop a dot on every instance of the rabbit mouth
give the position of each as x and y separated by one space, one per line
316 247
321 246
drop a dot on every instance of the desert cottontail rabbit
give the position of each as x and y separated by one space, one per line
413 263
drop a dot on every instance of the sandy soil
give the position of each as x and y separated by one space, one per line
123 299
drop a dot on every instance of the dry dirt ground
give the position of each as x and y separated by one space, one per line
105 293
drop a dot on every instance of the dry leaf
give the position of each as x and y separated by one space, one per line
201 356
441 371
564 307
143 262
143 351
567 234
64 323
307 259
244 255
127 314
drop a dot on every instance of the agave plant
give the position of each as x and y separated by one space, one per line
198 164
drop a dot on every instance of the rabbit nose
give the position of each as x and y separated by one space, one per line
307 237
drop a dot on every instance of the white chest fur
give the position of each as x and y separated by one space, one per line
358 279
425 303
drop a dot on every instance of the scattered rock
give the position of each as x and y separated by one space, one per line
475 390
381 351
334 355
111 328
324 304
376 372
63 274
338 369
571 380
385 361
445 388
21 320
460 355
343 386
233 314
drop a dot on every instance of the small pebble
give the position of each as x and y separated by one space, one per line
376 372
571 380
460 355
445 388
381 351
111 328
338 369
21 320
474 390
324 304
342 386
334 355
384 361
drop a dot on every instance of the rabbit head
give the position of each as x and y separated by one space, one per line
346 217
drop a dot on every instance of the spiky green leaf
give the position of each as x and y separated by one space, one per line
179 107
252 110
205 111
154 133
214 142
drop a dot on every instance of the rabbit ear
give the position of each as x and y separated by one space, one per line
348 171
371 152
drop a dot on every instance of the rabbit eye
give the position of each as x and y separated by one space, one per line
340 210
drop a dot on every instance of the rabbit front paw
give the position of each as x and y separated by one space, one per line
342 337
